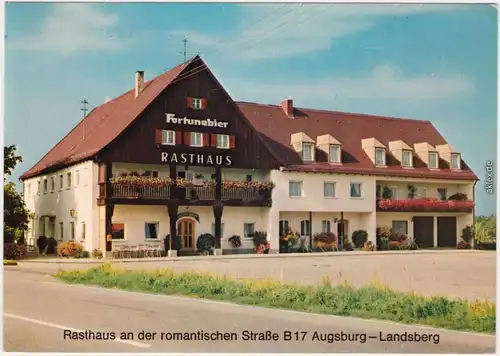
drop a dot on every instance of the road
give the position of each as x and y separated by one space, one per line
38 309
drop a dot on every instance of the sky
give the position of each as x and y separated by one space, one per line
435 62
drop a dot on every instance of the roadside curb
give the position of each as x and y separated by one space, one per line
249 256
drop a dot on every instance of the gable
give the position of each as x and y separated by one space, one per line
137 143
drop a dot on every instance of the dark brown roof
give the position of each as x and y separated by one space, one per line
103 124
276 128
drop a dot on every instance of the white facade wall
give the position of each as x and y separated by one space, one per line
79 196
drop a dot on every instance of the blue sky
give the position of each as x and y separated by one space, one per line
428 62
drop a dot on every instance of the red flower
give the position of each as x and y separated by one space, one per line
424 204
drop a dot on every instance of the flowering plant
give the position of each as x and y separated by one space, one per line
325 238
290 236
140 182
240 184
263 248
425 204
183 183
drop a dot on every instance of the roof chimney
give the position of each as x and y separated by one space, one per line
287 106
139 82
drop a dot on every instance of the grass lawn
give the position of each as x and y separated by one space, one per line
371 302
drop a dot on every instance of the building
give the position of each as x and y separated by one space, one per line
109 182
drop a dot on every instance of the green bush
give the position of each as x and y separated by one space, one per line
368 302
13 251
485 229
205 242
359 237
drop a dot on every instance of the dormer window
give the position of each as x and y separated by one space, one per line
334 154
455 161
433 160
307 152
380 156
407 159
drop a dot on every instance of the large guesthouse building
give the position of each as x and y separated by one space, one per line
177 156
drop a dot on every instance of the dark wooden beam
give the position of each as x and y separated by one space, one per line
173 209
218 206
310 229
110 208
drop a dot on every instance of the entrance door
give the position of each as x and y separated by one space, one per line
447 231
423 231
342 230
185 229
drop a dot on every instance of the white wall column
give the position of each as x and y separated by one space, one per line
371 227
435 235
273 218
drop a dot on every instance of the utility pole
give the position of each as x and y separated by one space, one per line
185 41
84 109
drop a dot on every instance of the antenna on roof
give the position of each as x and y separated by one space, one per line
185 52
84 109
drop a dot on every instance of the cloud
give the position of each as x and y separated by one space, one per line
276 31
73 28
386 82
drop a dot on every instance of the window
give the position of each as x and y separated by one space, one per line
61 181
221 230
326 226
394 192
196 103
153 174
329 190
295 189
455 161
407 159
167 137
249 178
195 139
61 231
378 191
307 152
222 141
334 155
422 192
151 230
45 186
433 160
69 179
283 227
38 187
380 156
441 193
52 184
212 176
72 228
117 231
77 177
355 190
400 226
305 227
248 230
83 233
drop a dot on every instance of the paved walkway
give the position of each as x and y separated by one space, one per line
451 273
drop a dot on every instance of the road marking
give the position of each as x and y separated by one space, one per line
62 327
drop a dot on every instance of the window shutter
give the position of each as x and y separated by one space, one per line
205 140
203 103
178 137
214 140
158 136
232 143
189 102
187 137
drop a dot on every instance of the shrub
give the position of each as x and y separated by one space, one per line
462 245
205 242
485 230
325 237
467 234
368 246
47 245
97 254
69 249
259 238
235 241
359 238
84 254
13 251
459 197
398 237
384 231
347 245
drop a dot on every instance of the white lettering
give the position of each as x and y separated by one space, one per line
171 119
164 157
192 158
209 160
218 160
200 159
174 158
183 157
228 161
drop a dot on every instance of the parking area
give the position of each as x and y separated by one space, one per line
468 275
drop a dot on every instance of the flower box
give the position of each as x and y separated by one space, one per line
425 205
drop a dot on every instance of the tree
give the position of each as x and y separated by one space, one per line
15 215
485 229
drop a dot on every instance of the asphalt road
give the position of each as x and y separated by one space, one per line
39 311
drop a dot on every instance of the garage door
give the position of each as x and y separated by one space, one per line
423 231
447 231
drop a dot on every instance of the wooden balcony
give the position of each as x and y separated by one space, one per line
197 195
425 205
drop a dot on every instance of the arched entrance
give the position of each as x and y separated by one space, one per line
186 231
343 230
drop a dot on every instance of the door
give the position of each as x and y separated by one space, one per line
447 231
342 230
423 231
185 229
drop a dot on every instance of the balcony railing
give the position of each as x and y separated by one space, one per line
425 205
196 193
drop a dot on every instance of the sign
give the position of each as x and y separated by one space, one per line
171 119
196 158
188 214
